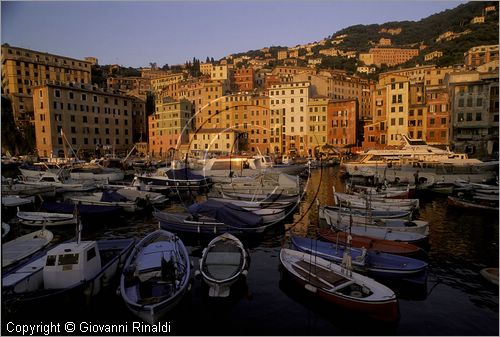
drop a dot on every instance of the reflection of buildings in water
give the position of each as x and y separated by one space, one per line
319 187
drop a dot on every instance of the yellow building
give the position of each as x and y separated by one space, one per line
248 114
220 73
282 54
316 131
434 55
397 105
206 68
215 141
23 68
81 116
160 83
477 19
288 104
384 42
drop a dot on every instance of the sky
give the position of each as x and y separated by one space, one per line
135 33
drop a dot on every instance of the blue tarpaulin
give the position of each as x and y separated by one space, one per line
112 196
229 214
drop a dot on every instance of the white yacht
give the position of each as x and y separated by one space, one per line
417 160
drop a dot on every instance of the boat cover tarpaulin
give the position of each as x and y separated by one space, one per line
112 196
183 174
62 207
229 214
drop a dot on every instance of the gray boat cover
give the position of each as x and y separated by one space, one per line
229 214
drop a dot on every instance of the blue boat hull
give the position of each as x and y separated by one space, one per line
375 263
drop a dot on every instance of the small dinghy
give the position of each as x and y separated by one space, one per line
339 285
155 276
491 274
46 218
223 262
5 229
24 246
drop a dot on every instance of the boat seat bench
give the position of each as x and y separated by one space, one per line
333 279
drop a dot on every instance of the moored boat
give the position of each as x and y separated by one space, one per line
224 261
106 198
475 204
156 276
359 241
341 219
211 217
367 261
346 289
46 218
15 250
76 270
491 274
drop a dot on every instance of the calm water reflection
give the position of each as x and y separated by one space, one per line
457 301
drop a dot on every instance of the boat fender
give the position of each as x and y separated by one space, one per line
310 288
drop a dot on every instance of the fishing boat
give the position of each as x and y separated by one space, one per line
391 192
95 172
46 218
175 179
269 197
376 214
106 198
249 205
71 272
15 200
491 274
24 246
366 261
12 188
341 218
211 217
134 194
94 211
268 214
223 262
261 184
359 241
156 276
370 202
60 185
477 203
339 285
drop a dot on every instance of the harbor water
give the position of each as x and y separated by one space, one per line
456 301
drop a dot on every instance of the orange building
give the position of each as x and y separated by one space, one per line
341 122
438 115
169 126
392 56
243 79
246 113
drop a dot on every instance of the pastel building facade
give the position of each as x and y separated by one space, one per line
82 117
